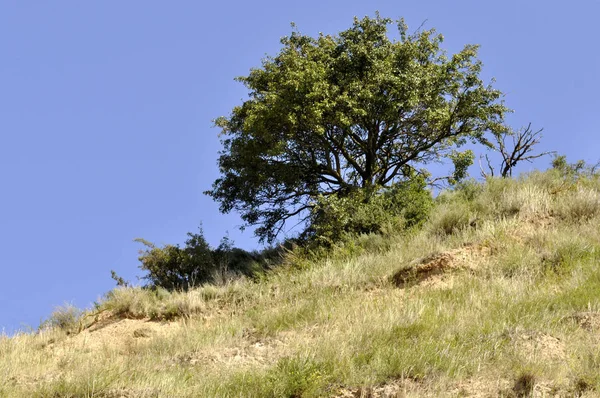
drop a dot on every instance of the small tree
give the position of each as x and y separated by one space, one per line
571 174
330 115
574 170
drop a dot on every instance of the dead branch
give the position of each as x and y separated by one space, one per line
490 172
519 149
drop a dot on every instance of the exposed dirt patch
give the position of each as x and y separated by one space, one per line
118 335
250 352
433 269
527 387
131 393
540 345
541 220
478 388
588 320
530 227
98 320
393 389
474 388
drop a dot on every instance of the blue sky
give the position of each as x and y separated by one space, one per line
106 109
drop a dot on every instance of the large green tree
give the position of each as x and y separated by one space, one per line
332 114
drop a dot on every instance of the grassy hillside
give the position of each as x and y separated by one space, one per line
497 295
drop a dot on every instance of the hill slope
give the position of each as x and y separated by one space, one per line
497 295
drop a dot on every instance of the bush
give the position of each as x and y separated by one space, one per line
567 170
336 218
174 268
66 318
572 175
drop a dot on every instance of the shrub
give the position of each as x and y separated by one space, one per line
572 175
230 261
336 218
569 170
411 199
174 268
66 318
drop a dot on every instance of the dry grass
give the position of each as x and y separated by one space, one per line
505 304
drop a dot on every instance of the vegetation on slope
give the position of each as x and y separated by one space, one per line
496 294
355 112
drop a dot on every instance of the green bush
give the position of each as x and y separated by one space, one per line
174 268
573 175
336 218
567 170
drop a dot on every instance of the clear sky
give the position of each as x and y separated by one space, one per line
106 109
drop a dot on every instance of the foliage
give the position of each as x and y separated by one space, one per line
403 205
461 161
569 177
572 171
332 114
118 279
172 267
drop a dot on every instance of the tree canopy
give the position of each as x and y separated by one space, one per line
332 114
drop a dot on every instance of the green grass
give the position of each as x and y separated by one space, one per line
505 321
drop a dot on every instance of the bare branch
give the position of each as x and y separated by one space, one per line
483 173
522 148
